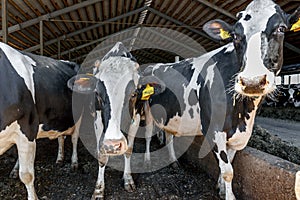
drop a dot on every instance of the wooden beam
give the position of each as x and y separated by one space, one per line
4 21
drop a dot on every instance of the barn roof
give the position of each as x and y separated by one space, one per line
154 30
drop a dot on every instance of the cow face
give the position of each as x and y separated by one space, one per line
258 40
114 83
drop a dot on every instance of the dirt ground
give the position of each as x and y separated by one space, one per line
59 183
188 182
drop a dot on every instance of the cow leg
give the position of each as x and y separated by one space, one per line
221 182
61 153
75 136
26 152
129 185
15 171
100 185
226 170
148 136
172 155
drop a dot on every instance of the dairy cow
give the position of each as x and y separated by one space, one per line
34 98
294 96
218 93
112 91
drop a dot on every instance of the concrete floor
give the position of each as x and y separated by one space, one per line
286 130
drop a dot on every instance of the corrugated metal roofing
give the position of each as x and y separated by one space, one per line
162 28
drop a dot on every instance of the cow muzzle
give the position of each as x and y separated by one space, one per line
114 147
253 86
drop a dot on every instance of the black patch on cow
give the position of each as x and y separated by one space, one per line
175 76
103 101
273 41
191 112
226 65
16 100
223 156
53 97
193 100
127 111
247 17
215 149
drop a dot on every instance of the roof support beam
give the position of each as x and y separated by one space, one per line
36 47
154 11
94 42
48 16
41 38
220 10
4 32
172 40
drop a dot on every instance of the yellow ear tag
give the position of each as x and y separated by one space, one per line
147 92
224 34
296 26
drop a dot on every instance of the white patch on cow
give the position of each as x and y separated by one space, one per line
182 126
53 134
239 139
254 66
210 75
98 125
260 12
22 64
8 136
230 48
12 134
116 73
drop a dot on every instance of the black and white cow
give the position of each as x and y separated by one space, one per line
294 95
34 99
218 93
113 103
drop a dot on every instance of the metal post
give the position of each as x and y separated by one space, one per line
4 21
41 38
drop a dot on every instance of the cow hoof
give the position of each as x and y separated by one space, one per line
175 165
129 187
60 163
74 167
97 197
222 194
14 174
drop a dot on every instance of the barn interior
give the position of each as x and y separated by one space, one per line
155 31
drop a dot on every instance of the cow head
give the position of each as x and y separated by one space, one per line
114 83
258 41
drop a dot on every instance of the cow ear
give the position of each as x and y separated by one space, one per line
149 86
294 20
83 83
218 29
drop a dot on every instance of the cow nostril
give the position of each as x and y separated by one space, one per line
241 81
263 81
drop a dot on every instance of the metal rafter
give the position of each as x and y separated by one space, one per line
36 47
48 16
154 11
93 42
